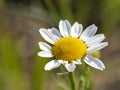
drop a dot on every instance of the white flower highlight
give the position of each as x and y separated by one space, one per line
70 45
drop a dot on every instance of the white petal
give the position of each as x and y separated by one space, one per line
61 61
77 62
47 36
44 46
45 54
52 64
96 47
95 39
94 62
70 67
76 29
55 33
65 28
88 32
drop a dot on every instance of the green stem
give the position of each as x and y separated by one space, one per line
85 82
81 83
88 85
72 80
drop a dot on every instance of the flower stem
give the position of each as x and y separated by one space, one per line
72 80
88 85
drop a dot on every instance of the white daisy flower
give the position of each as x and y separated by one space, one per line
70 45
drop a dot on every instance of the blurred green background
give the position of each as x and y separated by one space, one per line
20 20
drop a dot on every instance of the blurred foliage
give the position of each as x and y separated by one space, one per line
19 68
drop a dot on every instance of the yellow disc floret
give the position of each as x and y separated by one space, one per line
69 49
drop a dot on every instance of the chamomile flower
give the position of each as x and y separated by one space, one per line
70 45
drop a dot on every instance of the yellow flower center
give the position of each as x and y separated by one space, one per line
69 49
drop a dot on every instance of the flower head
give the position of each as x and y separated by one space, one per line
70 45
